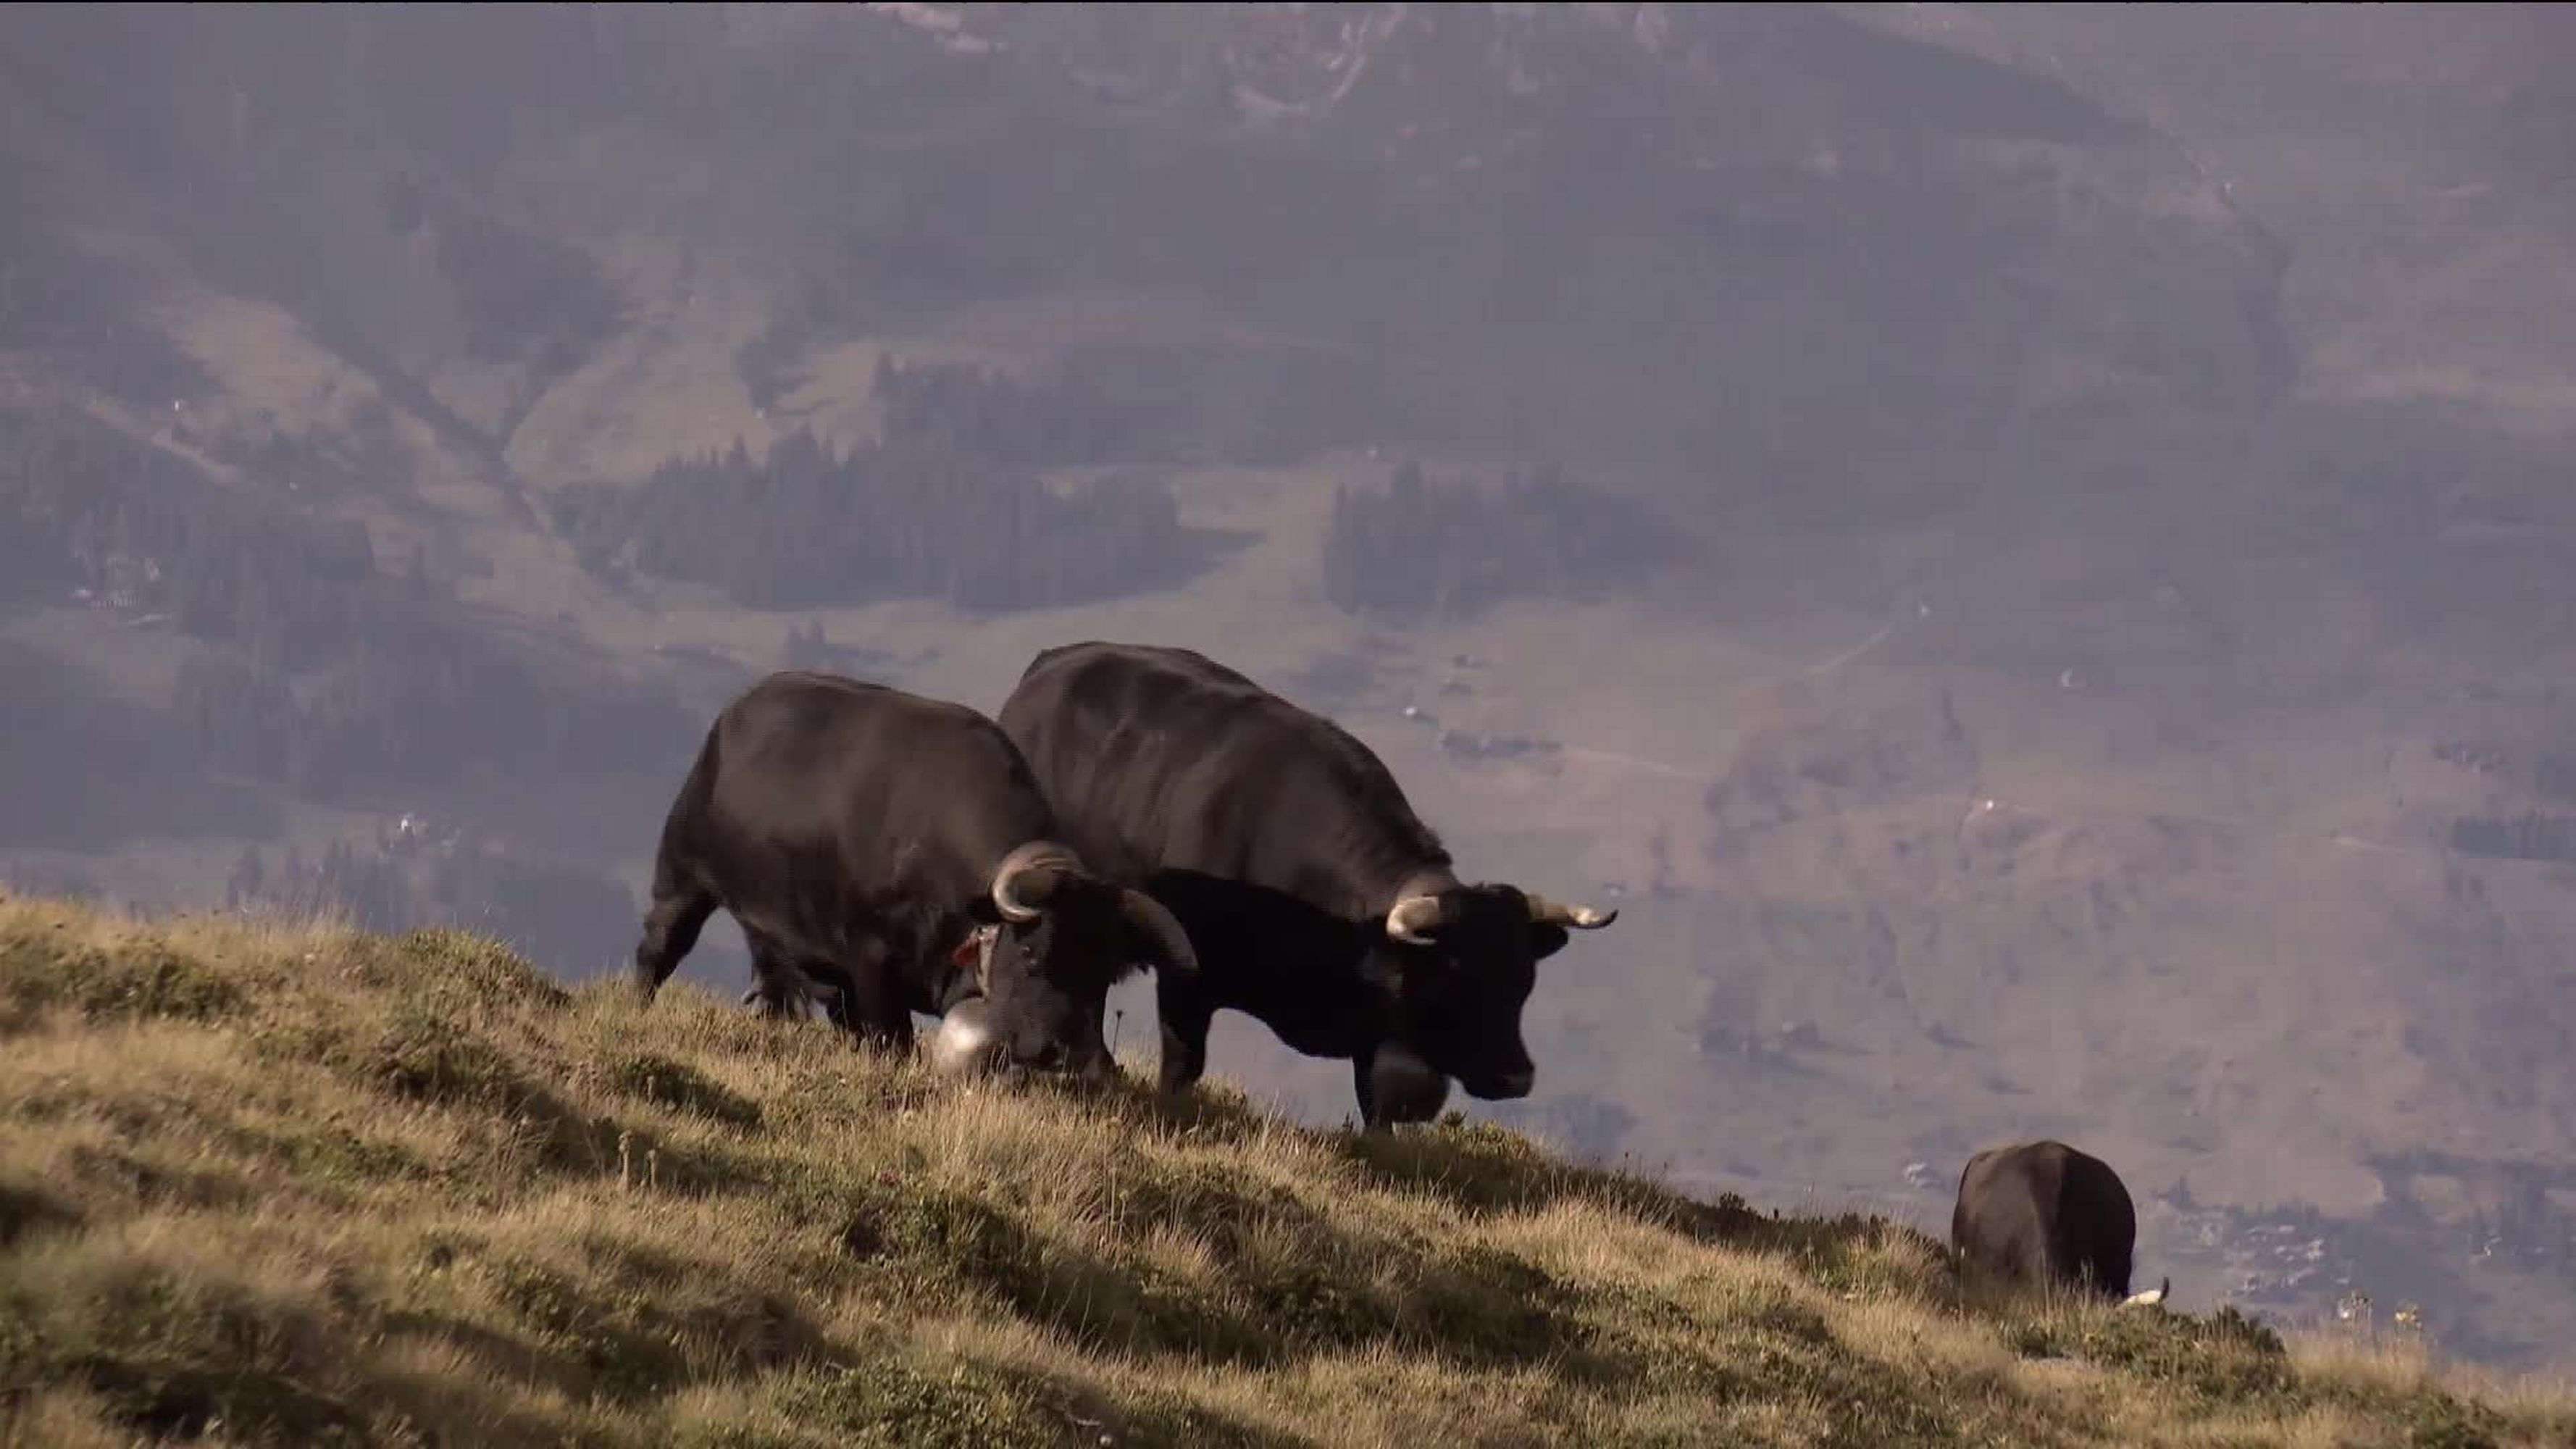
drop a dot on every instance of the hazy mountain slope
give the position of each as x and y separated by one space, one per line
2419 159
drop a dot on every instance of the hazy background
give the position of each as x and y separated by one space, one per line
2026 548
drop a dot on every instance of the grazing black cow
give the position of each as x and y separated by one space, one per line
1319 903
2044 1214
887 854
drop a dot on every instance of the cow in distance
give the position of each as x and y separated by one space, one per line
2045 1215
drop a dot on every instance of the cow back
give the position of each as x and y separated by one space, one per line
1162 761
842 794
2041 1212
2001 1221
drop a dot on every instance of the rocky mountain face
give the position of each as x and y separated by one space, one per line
2042 601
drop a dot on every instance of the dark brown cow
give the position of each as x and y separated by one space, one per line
2043 1214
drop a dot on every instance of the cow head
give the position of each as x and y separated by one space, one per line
1059 938
1466 958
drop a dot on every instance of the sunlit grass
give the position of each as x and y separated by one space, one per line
291 1184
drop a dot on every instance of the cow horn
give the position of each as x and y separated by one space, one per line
1412 917
1161 927
2149 1298
1026 877
1557 913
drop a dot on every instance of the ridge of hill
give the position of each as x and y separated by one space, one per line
263 1183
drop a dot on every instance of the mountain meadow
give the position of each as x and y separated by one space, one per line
269 1183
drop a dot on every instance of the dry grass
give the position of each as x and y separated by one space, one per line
268 1184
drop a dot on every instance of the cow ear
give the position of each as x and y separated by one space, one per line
1546 940
963 955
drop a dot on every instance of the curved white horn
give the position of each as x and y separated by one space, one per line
1411 917
1558 913
1018 863
2149 1298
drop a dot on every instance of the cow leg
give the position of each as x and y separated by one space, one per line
671 925
871 1010
2100 1271
837 1012
2038 1262
1364 1086
773 978
1184 1013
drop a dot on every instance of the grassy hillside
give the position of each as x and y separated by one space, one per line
296 1185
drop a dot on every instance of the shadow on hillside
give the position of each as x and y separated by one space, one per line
1485 1170
1482 1169
1293 1280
